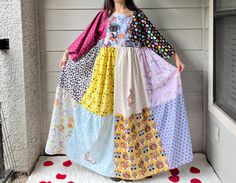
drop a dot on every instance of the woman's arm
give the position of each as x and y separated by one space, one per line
144 31
66 53
89 37
179 64
64 58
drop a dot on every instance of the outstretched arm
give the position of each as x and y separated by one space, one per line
89 37
146 33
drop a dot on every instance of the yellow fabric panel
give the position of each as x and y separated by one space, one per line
138 150
98 98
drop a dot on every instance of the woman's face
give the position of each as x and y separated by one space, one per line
119 1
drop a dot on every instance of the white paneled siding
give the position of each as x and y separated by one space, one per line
182 22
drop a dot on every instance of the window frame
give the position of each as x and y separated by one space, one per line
214 113
218 14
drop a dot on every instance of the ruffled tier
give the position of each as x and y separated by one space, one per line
121 113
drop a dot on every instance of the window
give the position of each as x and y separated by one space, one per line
225 56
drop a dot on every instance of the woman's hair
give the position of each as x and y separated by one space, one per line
109 6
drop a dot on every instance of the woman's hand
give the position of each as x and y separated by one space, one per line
64 58
178 63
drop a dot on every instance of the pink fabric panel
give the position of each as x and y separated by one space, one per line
95 31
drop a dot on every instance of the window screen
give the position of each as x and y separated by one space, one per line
225 56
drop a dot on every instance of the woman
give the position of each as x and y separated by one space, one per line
119 107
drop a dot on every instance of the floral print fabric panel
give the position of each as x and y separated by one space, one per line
62 122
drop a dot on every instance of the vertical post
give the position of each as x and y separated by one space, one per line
2 167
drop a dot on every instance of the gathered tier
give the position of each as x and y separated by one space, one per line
120 111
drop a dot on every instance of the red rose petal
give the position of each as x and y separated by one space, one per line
70 182
174 178
48 163
194 170
174 171
195 181
61 176
67 163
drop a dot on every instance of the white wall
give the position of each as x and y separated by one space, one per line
19 81
220 128
181 21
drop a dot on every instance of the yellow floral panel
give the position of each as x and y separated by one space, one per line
98 98
138 150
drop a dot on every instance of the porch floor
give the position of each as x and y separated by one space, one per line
53 169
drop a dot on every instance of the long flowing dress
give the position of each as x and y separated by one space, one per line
119 109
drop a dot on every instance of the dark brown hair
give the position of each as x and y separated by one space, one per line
109 6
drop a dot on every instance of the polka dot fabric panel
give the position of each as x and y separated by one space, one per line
143 30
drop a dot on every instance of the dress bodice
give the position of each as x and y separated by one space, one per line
118 32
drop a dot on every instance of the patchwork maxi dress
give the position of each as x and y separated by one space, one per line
119 109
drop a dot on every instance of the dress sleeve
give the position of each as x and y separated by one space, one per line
89 37
150 36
